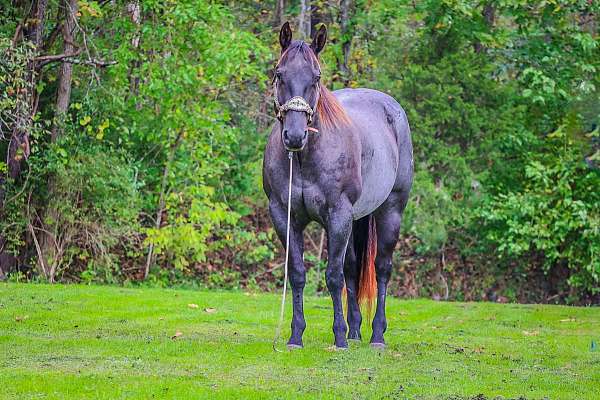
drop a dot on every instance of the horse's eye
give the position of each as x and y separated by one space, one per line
317 79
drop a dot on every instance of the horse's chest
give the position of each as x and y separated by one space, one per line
314 201
324 185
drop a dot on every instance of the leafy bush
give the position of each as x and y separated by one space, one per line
94 209
555 220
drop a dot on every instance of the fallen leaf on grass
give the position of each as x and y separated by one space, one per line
568 320
210 310
21 318
531 333
192 305
176 335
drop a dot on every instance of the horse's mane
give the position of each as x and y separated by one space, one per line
330 112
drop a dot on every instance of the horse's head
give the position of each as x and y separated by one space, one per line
296 86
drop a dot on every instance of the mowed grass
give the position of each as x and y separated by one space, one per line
60 342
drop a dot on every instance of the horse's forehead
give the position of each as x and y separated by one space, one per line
298 65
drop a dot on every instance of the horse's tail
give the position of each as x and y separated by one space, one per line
365 247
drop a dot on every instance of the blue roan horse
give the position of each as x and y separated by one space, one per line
353 168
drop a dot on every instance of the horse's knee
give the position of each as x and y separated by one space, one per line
383 268
298 278
334 280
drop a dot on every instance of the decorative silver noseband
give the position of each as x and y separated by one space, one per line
296 103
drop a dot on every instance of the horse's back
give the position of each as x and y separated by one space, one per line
386 154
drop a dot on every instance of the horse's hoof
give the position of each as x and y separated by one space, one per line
354 336
355 340
292 346
338 348
378 346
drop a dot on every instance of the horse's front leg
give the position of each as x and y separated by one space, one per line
297 273
339 227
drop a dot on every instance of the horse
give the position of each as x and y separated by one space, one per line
352 173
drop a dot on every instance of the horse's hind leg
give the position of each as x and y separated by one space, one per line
339 228
351 274
388 218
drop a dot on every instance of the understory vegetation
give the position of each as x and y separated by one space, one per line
132 133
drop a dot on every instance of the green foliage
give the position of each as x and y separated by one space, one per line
199 57
162 148
93 210
185 239
14 83
430 214
555 217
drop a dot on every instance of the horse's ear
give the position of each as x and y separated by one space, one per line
285 36
319 40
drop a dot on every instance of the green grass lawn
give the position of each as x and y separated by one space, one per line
108 342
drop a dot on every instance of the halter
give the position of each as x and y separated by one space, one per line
296 103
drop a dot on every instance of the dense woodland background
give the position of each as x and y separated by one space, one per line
132 134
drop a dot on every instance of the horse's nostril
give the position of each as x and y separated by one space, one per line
305 133
285 135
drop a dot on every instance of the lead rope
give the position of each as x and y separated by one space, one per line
287 256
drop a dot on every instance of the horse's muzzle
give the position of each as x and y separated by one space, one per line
295 141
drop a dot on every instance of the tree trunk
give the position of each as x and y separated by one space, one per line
134 11
47 246
316 17
63 95
279 13
304 20
18 150
345 16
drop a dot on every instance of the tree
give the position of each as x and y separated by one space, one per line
63 95
346 8
304 20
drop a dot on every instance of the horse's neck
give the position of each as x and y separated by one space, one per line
327 146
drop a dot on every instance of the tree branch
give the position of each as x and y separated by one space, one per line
68 58
56 57
93 62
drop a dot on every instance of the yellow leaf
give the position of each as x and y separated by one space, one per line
85 120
